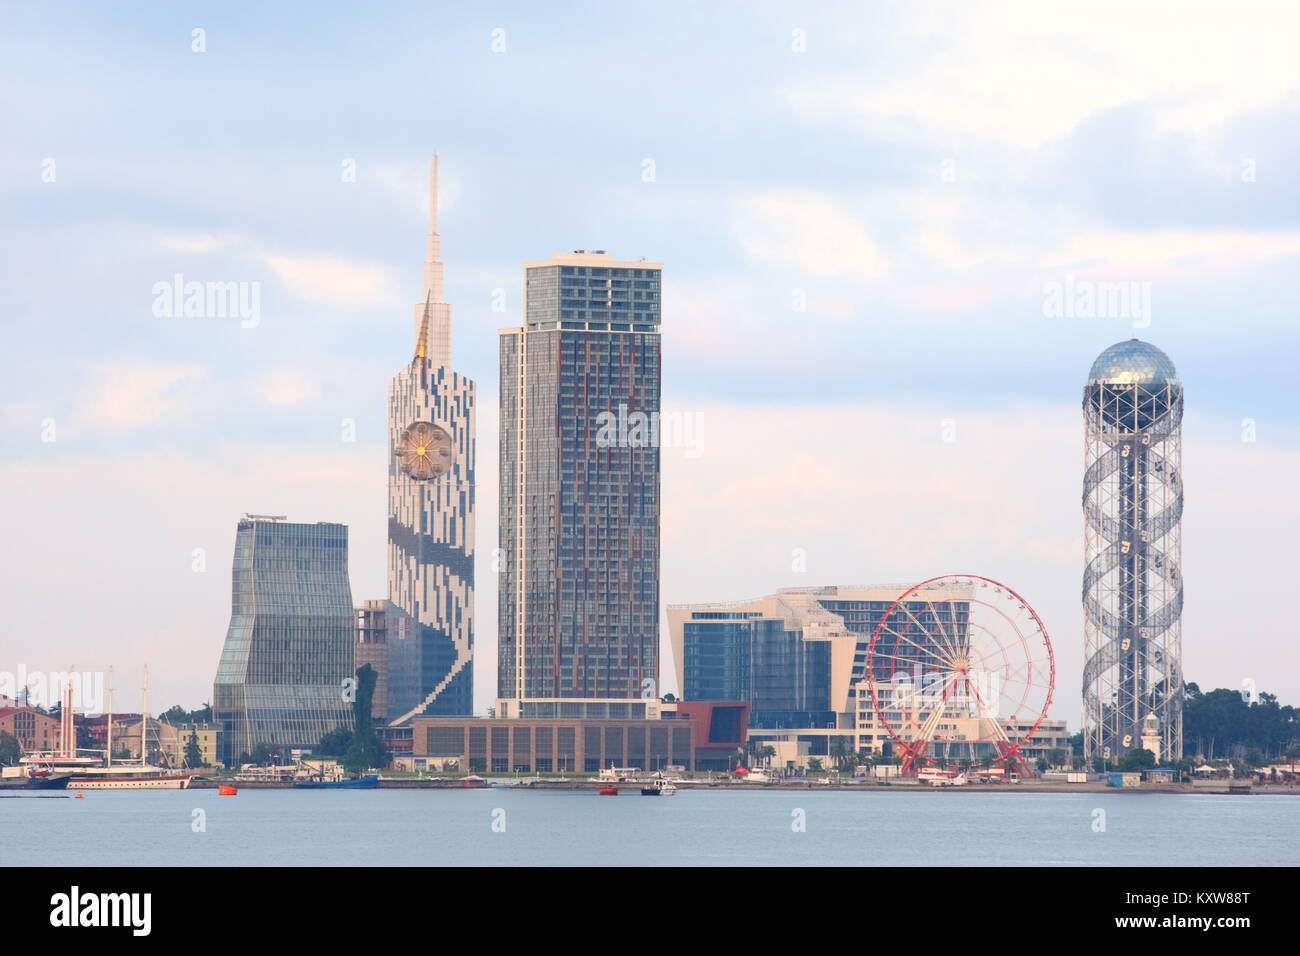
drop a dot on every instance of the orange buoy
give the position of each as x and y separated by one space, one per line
226 790
80 795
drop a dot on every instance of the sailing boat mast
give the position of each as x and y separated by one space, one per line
144 715
109 761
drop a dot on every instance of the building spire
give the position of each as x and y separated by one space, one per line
433 316
433 253
422 341
433 194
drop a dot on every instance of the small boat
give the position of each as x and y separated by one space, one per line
226 790
609 791
658 788
368 782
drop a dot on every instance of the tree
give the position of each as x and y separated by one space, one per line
669 699
1056 757
843 754
261 754
814 765
10 748
1137 759
1041 764
1078 762
365 751
193 753
335 743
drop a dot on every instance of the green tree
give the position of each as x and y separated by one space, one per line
176 715
814 765
334 744
10 748
365 751
843 754
193 753
1041 764
1056 757
1137 759
1078 762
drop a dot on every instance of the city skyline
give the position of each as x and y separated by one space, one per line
926 258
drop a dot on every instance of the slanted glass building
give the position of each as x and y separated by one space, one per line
289 647
578 605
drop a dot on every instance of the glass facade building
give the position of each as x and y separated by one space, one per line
799 655
745 656
578 605
289 647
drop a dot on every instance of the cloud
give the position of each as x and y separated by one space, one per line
287 387
806 230
332 280
318 278
133 394
1023 73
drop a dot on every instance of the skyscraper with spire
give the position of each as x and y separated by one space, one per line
430 611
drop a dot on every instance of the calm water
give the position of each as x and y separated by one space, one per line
454 827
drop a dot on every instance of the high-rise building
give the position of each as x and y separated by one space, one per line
430 613
288 650
1132 579
578 606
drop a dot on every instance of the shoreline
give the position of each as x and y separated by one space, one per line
516 783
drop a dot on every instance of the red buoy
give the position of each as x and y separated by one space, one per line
226 790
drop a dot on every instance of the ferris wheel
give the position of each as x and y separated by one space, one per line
960 671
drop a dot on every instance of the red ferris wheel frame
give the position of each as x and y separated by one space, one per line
915 750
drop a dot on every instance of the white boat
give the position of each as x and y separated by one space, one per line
130 778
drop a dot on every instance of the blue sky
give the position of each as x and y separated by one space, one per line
917 175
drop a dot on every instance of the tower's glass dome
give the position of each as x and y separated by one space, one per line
1133 363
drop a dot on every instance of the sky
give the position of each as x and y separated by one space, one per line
862 211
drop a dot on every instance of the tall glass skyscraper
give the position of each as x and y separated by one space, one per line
430 612
289 646
578 605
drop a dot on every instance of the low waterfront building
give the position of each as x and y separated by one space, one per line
36 730
703 735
